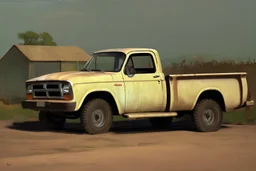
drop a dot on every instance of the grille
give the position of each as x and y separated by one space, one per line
48 90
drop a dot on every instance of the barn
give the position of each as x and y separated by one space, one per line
23 62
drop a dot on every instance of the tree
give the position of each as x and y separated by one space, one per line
32 38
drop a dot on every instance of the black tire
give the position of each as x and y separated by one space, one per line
161 122
96 116
50 121
207 116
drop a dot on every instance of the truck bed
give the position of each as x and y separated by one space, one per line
183 90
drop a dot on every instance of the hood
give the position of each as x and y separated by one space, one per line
75 77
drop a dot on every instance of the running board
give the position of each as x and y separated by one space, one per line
150 114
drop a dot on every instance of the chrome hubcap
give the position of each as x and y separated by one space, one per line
208 116
98 118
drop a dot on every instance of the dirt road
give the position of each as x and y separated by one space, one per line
24 147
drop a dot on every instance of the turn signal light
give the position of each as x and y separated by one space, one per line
67 97
29 96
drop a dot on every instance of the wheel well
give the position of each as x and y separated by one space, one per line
103 95
214 95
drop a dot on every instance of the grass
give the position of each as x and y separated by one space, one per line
16 113
240 117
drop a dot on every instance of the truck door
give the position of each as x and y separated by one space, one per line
143 84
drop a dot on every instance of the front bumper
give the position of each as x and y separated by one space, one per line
49 106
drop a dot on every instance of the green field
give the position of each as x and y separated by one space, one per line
16 113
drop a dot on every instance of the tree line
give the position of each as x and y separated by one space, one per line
33 38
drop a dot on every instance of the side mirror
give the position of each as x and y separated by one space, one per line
130 71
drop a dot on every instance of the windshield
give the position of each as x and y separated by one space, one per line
107 61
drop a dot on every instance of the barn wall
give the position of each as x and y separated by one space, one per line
68 66
72 66
41 68
13 74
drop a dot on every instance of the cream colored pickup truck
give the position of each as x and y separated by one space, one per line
130 82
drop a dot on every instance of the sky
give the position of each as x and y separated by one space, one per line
176 28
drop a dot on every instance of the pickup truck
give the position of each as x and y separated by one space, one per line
130 82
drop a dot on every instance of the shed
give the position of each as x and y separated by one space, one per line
23 62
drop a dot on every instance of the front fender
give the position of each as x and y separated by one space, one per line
82 91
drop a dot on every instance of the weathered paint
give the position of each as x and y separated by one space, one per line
140 88
186 88
146 93
84 83
82 90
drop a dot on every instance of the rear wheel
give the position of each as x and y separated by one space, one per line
96 116
51 121
207 116
161 122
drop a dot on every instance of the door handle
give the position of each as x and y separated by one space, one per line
155 76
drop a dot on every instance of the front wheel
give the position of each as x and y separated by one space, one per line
207 116
96 116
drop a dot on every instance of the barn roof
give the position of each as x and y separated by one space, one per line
53 53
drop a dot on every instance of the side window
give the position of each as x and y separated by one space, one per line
142 63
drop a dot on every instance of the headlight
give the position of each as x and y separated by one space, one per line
66 89
29 89
29 92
